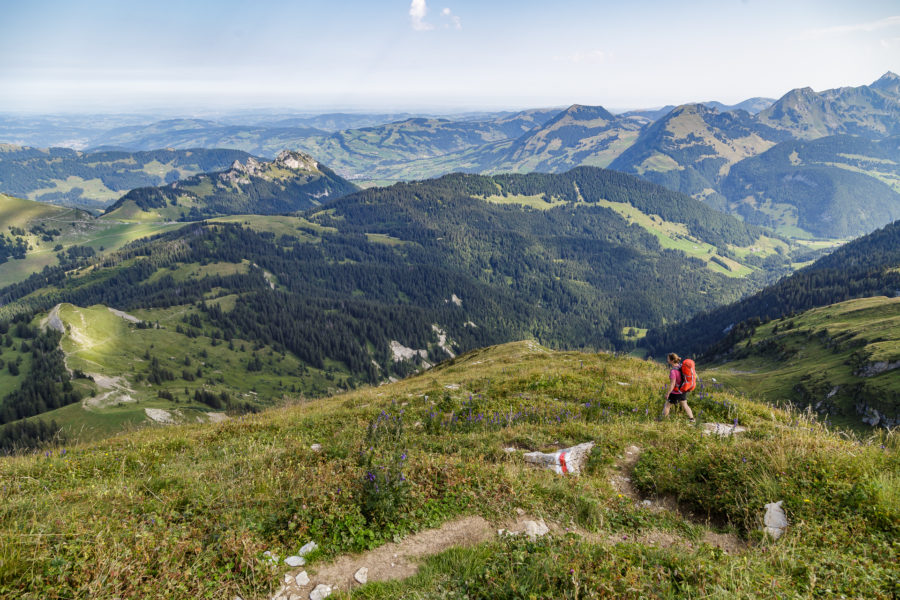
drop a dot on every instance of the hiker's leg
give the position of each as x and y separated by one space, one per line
666 408
687 409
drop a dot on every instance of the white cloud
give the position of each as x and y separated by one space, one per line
855 28
585 57
890 43
417 12
454 20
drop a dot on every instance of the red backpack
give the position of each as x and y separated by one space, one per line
688 376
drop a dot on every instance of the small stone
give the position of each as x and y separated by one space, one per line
288 579
775 520
392 564
320 592
273 558
316 447
520 512
295 561
295 597
361 576
302 578
509 450
646 503
535 529
307 548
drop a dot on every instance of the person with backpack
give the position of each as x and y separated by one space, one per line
682 379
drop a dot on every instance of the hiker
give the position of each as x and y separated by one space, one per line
677 393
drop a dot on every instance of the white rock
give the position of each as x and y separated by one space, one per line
509 450
646 503
535 529
722 429
307 548
320 592
362 576
567 460
316 447
295 597
295 561
288 579
302 578
775 520
273 558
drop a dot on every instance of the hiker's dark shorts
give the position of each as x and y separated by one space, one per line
676 397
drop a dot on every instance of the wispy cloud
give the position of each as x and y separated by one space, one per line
585 57
417 12
855 28
453 19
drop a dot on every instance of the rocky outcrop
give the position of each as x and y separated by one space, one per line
872 416
877 368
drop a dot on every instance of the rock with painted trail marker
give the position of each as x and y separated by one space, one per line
565 461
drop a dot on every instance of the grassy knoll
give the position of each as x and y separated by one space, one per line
827 358
188 511
67 227
163 366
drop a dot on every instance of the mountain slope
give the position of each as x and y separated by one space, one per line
291 182
868 110
193 511
865 267
693 147
386 281
836 186
259 140
94 180
841 360
380 152
578 136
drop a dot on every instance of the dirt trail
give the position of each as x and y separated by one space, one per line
395 560
621 482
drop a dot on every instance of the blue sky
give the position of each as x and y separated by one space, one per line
65 55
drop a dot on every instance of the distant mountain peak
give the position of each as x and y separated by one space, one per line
583 112
889 82
296 160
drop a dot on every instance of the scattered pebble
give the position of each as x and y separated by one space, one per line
295 561
302 578
775 520
316 447
362 576
509 450
320 592
307 548
535 529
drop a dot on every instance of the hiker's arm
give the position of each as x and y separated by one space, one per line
671 387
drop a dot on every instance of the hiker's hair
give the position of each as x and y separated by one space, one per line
674 357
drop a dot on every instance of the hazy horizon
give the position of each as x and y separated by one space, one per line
424 56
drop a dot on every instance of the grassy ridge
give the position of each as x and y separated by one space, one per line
827 358
187 511
119 356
